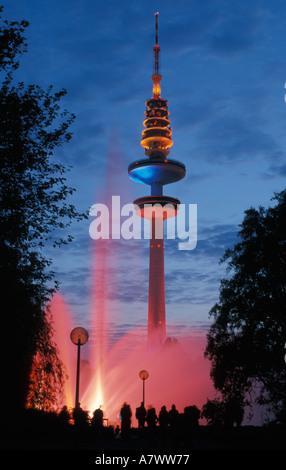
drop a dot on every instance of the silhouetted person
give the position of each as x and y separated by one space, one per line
190 423
163 418
97 421
174 423
64 416
163 422
141 414
192 414
173 417
125 414
151 419
80 417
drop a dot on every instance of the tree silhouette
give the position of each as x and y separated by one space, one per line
246 340
34 212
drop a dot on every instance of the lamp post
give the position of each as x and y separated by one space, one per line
79 336
143 374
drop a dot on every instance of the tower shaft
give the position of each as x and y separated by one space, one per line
156 301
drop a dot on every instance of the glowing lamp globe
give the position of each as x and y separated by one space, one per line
79 335
143 374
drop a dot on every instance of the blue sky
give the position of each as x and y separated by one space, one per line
224 69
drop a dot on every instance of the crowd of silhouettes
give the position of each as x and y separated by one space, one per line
165 425
166 428
166 421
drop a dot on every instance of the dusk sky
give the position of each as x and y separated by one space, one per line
224 69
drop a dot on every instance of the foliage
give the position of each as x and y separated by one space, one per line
12 44
222 413
47 373
33 213
246 340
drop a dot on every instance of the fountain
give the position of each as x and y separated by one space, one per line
178 372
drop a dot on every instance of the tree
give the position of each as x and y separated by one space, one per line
34 212
12 45
213 412
47 373
222 413
246 340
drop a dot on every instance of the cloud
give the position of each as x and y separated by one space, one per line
196 24
275 171
236 33
194 114
222 29
102 53
229 44
231 138
191 277
211 242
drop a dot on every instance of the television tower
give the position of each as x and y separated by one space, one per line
157 170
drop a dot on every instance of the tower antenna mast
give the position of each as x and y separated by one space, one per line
156 48
156 19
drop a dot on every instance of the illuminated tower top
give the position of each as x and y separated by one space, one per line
156 138
156 170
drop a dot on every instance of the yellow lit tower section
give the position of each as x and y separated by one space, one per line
157 135
156 171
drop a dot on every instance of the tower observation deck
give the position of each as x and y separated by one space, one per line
156 171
